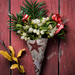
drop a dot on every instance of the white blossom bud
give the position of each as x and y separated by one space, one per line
24 34
24 27
43 21
25 38
47 18
30 30
37 21
19 31
42 32
22 37
37 32
27 26
51 34
34 30
28 38
50 26
40 24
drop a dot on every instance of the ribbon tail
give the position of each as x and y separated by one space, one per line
61 27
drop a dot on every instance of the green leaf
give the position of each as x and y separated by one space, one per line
61 37
18 25
27 6
39 3
28 3
26 11
40 12
44 28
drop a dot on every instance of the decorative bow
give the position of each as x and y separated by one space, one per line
26 16
60 25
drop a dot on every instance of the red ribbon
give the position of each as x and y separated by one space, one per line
25 17
60 25
56 17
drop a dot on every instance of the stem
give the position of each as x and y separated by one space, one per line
23 74
5 47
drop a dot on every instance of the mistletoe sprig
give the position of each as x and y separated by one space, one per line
10 56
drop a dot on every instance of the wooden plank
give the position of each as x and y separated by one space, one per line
4 36
50 64
26 60
67 46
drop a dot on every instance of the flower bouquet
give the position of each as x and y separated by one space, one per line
35 27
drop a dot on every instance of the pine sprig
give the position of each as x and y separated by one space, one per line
35 9
14 21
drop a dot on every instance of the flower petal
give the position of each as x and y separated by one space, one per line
20 52
12 50
21 69
6 55
14 66
15 59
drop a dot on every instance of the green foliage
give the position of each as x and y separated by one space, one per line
15 21
35 9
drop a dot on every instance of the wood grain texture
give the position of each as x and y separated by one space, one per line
67 46
50 64
26 60
4 36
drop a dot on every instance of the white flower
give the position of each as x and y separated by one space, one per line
47 18
36 21
31 30
42 32
22 37
24 34
37 32
28 38
27 26
34 30
40 24
54 30
51 34
25 38
24 27
19 31
43 18
50 26
43 21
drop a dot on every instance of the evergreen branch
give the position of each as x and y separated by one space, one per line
28 3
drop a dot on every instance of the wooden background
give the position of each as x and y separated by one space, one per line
59 56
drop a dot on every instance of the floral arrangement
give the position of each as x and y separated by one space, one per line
33 23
